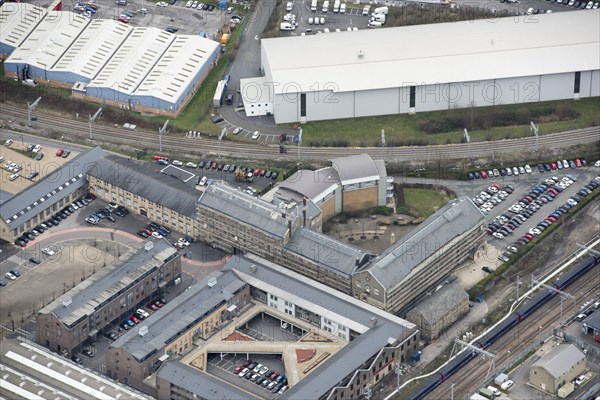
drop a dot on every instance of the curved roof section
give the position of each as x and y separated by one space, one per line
134 60
17 21
93 48
437 53
50 39
171 76
313 184
355 169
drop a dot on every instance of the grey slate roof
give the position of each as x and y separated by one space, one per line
560 359
434 307
199 383
271 277
53 188
355 168
250 210
4 196
145 180
399 260
107 282
178 315
325 251
312 183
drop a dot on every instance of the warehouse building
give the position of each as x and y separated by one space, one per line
17 20
440 67
163 198
374 342
100 302
397 278
561 365
44 47
40 201
439 310
351 183
177 327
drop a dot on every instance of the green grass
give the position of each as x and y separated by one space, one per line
403 129
423 200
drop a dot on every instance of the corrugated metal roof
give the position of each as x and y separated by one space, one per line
356 168
17 20
136 57
234 203
436 53
50 190
50 39
560 359
93 48
171 76
592 321
186 309
399 260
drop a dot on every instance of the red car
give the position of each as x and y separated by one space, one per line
578 163
147 231
551 219
123 20
158 304
214 165
246 363
553 166
256 172
152 306
237 370
59 152
134 319
156 158
484 174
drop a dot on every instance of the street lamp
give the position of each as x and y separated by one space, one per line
398 372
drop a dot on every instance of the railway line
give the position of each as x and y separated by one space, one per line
203 146
473 374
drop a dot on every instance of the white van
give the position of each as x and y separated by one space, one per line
494 390
325 6
313 6
343 8
286 26
378 18
374 24
506 385
366 10
381 10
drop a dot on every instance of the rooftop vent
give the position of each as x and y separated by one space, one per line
361 54
143 330
148 246
372 322
212 282
67 301
253 268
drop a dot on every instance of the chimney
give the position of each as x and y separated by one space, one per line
283 214
357 261
304 217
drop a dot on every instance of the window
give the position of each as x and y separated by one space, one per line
412 96
303 105
577 82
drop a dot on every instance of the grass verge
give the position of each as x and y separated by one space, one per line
425 201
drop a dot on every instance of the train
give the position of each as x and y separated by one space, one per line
488 339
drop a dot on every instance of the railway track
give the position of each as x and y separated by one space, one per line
472 375
204 146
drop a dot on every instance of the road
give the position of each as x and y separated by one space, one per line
203 146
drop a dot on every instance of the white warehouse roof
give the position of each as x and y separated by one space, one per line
50 39
133 61
177 68
438 53
17 21
93 48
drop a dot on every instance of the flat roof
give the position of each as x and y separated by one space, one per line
48 191
247 209
355 169
436 53
255 90
326 252
375 326
179 315
171 76
106 283
93 48
132 62
392 266
50 39
146 180
313 184
17 20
